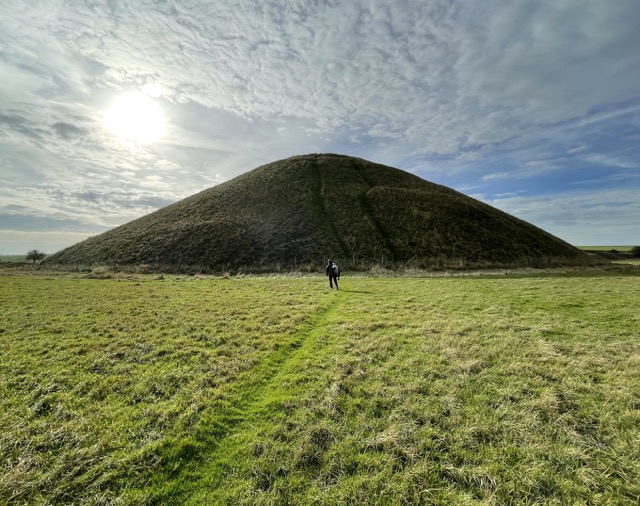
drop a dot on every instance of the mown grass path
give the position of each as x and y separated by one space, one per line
221 437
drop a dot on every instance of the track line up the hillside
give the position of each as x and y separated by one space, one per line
366 207
325 217
236 414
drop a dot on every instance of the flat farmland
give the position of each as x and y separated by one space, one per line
276 390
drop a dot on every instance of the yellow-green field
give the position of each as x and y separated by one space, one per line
605 248
13 258
276 390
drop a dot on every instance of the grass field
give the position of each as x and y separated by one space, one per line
616 254
470 390
13 258
605 248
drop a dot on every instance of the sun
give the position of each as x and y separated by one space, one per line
135 117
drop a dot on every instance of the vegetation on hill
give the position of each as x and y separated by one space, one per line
299 211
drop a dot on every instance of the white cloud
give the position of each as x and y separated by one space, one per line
610 161
469 73
19 242
578 149
497 175
496 92
611 215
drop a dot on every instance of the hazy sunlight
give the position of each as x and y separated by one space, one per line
135 117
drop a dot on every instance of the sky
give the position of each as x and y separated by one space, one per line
112 109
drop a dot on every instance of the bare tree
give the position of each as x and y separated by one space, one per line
35 255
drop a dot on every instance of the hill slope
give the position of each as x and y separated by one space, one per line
303 209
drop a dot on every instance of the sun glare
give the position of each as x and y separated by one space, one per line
135 117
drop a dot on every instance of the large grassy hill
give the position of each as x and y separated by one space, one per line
301 210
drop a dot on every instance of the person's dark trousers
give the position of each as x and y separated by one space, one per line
333 279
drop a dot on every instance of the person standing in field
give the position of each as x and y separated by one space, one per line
333 271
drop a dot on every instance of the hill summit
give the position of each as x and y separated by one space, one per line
299 211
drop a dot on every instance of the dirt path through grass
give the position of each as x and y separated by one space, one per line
231 428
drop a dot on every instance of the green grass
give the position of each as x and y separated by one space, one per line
518 390
628 261
13 258
605 248
615 254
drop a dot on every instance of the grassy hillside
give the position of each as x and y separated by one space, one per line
299 211
277 390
